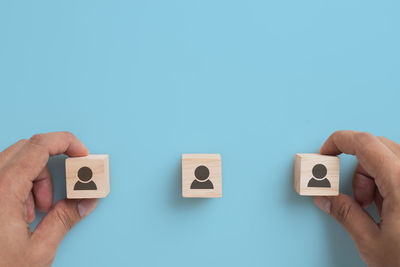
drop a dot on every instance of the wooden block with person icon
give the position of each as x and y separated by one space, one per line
201 175
316 175
87 177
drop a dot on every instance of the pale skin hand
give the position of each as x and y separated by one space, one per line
25 182
376 179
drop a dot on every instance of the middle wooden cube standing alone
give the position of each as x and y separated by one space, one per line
201 175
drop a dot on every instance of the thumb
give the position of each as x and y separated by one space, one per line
60 219
357 222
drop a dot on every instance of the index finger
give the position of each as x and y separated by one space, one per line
376 158
33 156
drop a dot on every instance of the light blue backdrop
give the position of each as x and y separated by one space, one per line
256 81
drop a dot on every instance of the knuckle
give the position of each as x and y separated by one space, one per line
382 138
37 139
64 217
342 213
336 134
22 141
364 138
68 134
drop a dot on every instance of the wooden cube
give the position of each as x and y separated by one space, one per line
87 177
316 175
201 175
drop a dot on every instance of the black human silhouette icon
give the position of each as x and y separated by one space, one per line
319 172
84 183
202 182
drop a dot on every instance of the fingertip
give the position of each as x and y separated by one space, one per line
364 190
323 203
45 206
77 149
86 206
82 152
43 191
329 147
30 208
31 217
322 149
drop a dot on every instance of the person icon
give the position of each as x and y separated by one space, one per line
84 183
202 182
319 179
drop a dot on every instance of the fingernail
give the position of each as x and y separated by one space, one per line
85 206
323 203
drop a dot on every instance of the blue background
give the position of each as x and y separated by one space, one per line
146 81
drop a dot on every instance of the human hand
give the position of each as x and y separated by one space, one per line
376 179
25 182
